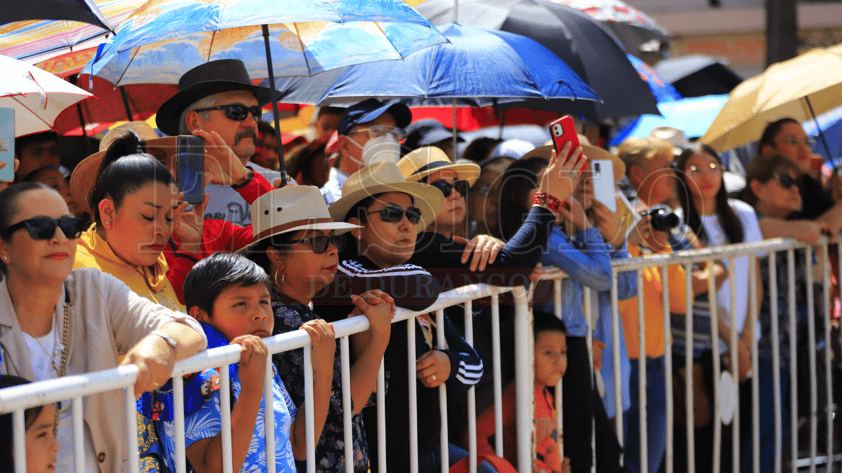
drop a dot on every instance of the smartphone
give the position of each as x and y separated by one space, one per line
602 173
562 131
191 168
7 143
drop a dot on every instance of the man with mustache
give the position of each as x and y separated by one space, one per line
219 97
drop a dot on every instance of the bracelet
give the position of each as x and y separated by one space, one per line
248 179
546 200
167 338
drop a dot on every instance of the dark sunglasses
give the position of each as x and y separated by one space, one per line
786 180
321 243
235 111
394 213
44 228
445 187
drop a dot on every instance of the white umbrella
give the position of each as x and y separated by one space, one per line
36 96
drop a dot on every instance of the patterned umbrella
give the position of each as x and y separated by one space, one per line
38 41
165 38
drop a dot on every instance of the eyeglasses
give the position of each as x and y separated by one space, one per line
235 111
445 187
44 228
320 243
394 213
786 180
376 131
792 141
711 166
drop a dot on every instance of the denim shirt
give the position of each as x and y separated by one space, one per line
586 260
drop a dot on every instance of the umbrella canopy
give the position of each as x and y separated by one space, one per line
660 87
475 118
165 38
476 67
74 10
800 88
698 75
637 30
694 116
36 96
594 53
37 41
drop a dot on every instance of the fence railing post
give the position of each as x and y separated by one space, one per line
524 380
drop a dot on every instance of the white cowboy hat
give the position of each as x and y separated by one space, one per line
290 209
386 177
422 162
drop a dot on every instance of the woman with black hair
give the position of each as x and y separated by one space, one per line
716 220
57 321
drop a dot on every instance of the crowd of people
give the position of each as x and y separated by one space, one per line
137 276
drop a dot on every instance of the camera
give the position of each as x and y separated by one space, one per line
662 219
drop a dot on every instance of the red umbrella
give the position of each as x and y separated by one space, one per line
109 104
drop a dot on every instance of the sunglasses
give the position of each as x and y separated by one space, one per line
44 228
445 187
320 243
394 213
786 180
235 111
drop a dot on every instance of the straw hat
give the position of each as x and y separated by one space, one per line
85 173
386 177
422 162
290 209
590 151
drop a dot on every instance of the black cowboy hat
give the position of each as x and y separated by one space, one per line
209 78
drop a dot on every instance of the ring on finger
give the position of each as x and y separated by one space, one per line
434 377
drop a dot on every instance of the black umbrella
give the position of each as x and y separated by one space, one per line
698 75
594 53
85 11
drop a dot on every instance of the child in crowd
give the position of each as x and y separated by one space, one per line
41 443
550 335
229 295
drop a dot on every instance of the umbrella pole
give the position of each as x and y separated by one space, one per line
821 133
275 113
455 131
126 103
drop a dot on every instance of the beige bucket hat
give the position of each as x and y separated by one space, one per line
386 177
290 209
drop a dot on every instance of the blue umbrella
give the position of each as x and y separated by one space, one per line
830 125
661 89
476 68
693 115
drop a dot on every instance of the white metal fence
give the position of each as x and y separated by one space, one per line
74 388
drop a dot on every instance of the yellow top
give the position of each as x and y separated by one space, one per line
653 307
92 251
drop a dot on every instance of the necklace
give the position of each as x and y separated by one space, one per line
62 369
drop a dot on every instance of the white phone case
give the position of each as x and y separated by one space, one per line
602 171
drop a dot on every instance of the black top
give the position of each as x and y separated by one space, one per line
815 201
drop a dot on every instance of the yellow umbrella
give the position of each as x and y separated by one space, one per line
800 88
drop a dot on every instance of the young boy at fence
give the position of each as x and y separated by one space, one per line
229 295
41 443
550 335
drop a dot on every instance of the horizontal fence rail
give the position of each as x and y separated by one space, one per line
16 399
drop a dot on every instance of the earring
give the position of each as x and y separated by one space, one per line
107 223
5 258
275 278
